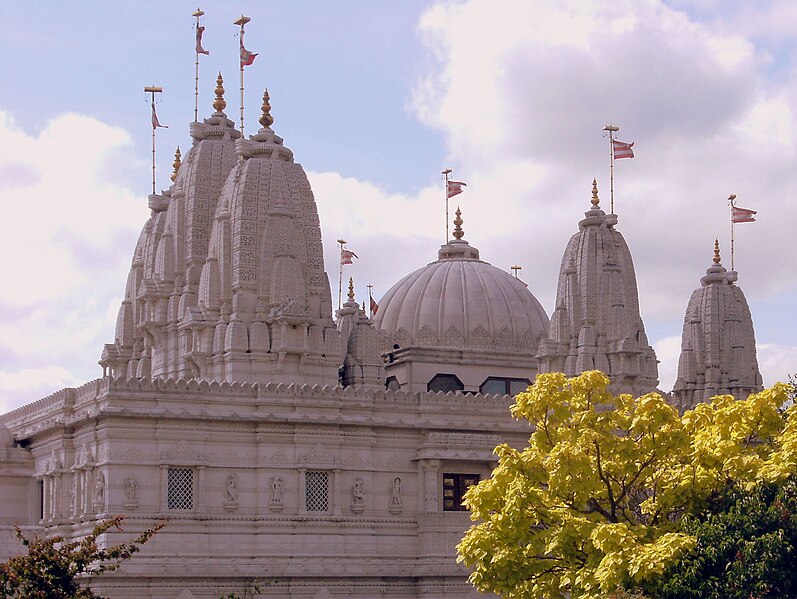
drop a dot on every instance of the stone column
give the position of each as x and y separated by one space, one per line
199 488
301 506
333 493
430 469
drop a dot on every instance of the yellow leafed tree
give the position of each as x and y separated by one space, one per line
593 503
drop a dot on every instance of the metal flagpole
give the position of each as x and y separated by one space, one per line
152 90
731 201
612 130
197 14
242 20
342 243
445 173
370 300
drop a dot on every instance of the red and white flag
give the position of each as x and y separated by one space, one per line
621 149
199 48
742 215
374 307
155 121
247 57
455 188
346 256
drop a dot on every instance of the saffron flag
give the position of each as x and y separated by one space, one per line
346 256
742 215
199 48
374 307
155 121
455 188
247 57
621 149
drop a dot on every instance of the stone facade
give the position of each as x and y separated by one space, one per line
327 455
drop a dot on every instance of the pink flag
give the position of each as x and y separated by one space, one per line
742 215
155 121
455 188
374 307
199 48
346 256
621 149
247 57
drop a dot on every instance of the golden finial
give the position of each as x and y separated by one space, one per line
219 104
458 232
351 289
176 164
716 251
595 200
266 120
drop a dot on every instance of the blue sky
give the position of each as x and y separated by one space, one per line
375 98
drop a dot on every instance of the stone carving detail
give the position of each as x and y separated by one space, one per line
395 506
231 492
99 491
277 488
358 496
131 493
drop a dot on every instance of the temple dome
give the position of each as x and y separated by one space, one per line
460 324
461 302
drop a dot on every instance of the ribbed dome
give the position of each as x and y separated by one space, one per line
463 303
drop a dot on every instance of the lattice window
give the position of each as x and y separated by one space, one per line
454 487
445 383
180 493
316 491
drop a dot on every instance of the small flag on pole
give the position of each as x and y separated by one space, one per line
247 57
742 215
346 256
374 306
155 121
455 188
199 48
622 149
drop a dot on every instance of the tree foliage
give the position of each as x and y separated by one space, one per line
746 547
594 503
52 566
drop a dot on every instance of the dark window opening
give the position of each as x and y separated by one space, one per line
445 383
503 386
454 487
392 384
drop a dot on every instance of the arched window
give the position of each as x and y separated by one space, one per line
445 383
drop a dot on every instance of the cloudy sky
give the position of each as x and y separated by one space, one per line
376 97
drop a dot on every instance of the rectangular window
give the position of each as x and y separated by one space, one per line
454 487
40 485
316 491
180 494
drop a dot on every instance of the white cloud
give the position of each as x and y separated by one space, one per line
667 351
67 241
777 362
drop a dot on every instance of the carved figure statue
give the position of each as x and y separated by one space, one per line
276 490
99 489
395 493
231 490
131 490
358 492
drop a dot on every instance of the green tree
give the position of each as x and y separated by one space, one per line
746 547
52 566
594 503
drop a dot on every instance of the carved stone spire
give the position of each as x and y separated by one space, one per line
718 353
597 323
351 289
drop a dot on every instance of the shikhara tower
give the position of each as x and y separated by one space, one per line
596 323
718 353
